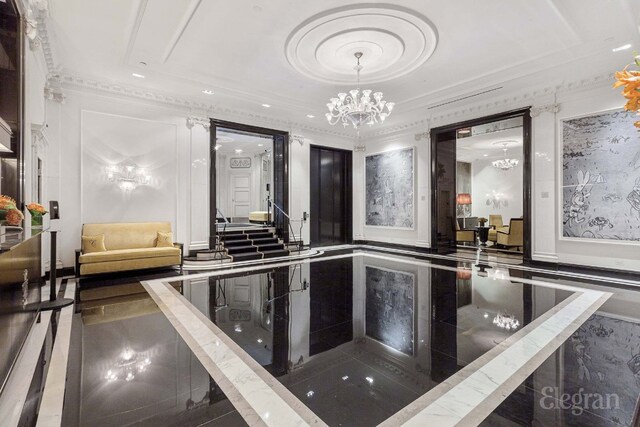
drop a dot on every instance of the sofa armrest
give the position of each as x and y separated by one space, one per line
181 246
506 233
77 260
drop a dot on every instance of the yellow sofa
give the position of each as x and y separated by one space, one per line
129 246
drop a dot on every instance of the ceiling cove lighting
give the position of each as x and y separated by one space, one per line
623 47
140 76
357 107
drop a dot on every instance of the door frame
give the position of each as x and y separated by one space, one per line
348 190
527 210
280 184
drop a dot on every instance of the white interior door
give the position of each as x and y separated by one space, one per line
240 191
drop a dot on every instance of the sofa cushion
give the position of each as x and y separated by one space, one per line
164 240
129 264
128 235
123 254
91 244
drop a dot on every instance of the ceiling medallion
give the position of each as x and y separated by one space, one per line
357 107
506 163
394 39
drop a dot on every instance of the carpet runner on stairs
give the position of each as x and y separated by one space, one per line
251 245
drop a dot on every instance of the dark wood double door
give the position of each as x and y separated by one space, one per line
331 215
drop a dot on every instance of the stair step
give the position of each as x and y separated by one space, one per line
246 256
265 241
275 253
260 235
236 243
241 249
230 237
270 247
210 254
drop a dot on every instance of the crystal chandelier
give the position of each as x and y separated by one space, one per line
128 176
506 321
506 163
357 107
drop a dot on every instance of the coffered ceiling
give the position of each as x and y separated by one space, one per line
295 54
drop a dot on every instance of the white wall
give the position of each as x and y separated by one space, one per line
191 163
80 129
487 183
546 182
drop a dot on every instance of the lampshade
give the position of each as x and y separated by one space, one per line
463 199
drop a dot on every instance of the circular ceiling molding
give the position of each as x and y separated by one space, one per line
394 40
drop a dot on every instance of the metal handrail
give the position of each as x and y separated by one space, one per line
300 242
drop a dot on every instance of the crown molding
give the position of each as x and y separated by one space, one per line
208 110
512 101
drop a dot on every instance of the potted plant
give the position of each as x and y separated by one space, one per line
37 211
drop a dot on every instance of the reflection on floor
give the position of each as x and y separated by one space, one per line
359 339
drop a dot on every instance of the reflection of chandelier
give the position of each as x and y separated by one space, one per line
506 163
128 176
358 108
506 321
129 364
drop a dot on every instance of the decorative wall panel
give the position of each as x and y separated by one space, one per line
601 177
389 187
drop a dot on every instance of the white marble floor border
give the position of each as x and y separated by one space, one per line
483 384
51 404
17 387
258 401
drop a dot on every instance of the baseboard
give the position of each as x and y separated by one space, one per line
60 272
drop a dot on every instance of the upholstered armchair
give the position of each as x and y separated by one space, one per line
514 236
495 222
467 236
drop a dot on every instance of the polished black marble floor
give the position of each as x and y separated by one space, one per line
355 339
129 366
358 339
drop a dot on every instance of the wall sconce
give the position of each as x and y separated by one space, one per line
128 176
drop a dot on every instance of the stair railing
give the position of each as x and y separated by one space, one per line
300 245
221 238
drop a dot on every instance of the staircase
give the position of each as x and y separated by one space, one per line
249 245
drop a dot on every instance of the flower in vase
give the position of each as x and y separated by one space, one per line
14 217
36 209
7 203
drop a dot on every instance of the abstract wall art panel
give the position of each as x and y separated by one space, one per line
601 177
389 188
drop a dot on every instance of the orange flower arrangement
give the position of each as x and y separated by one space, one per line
14 217
36 208
7 203
630 80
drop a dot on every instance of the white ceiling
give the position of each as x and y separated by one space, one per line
290 53
490 146
250 144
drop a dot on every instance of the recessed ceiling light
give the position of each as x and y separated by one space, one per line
238 150
311 116
464 131
485 155
260 145
266 105
623 47
207 92
140 76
